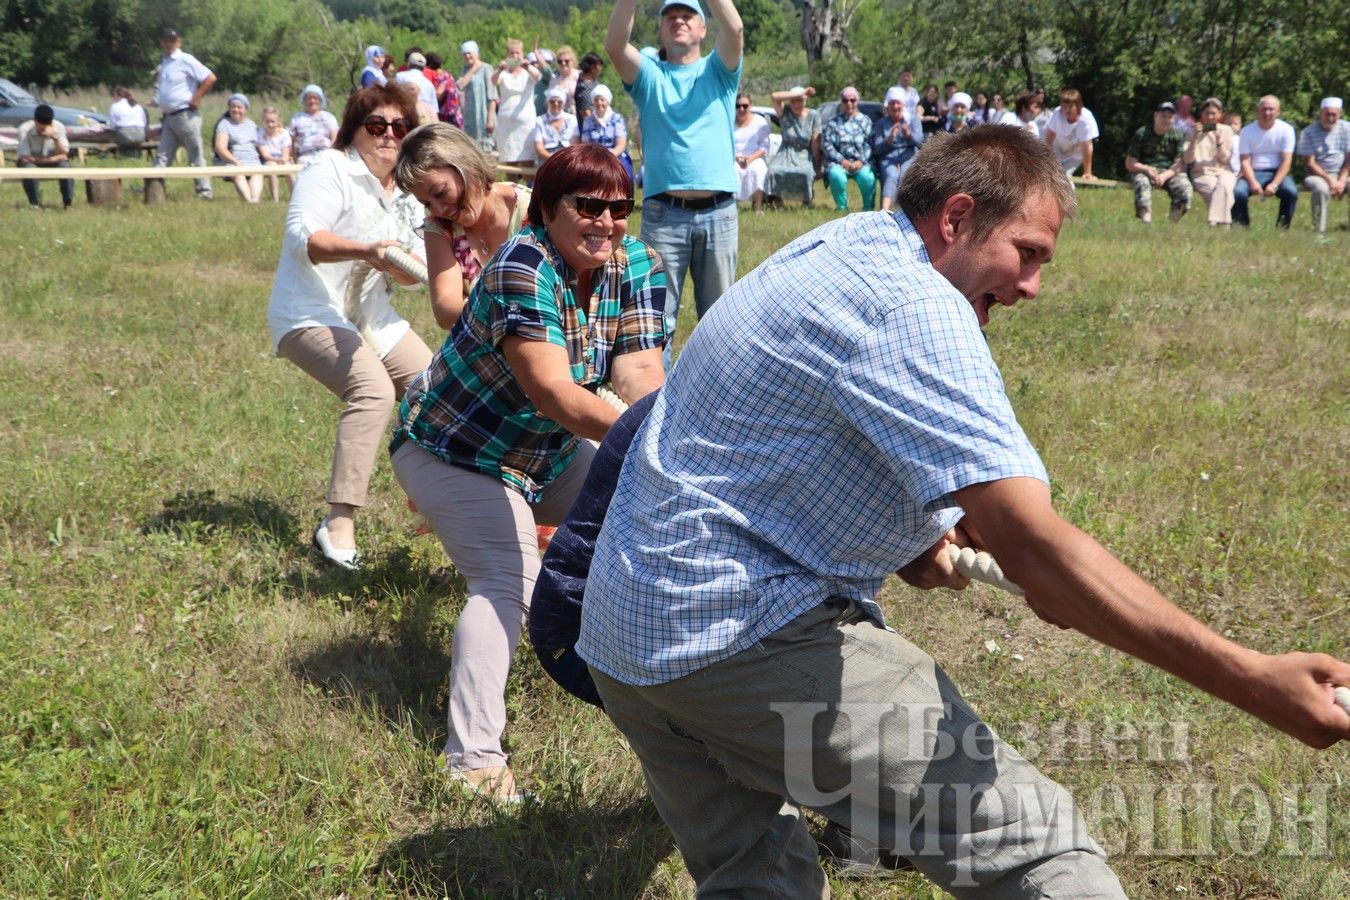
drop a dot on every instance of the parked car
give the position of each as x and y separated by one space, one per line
775 139
17 106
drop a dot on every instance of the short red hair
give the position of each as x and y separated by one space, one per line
586 169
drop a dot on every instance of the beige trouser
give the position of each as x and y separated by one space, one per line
1217 189
488 531
368 385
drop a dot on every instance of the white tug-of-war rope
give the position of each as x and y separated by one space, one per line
980 566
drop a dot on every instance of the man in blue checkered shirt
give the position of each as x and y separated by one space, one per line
838 416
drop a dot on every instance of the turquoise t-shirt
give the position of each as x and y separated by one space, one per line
687 115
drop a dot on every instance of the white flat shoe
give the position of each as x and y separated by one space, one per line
346 559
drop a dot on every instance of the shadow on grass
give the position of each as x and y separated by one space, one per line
189 512
399 665
606 848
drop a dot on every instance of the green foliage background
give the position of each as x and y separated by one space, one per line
1123 55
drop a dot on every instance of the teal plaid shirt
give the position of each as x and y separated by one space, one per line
469 410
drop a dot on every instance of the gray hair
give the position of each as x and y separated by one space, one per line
440 145
1001 167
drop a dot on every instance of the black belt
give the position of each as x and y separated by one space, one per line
693 204
179 111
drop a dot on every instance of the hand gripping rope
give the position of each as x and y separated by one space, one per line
980 566
356 285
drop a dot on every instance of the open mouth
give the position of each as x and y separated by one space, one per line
595 242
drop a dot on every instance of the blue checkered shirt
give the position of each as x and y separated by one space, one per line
806 445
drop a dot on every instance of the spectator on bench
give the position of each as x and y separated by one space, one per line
43 144
1267 153
1154 160
1326 146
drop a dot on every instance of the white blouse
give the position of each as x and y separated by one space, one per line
338 193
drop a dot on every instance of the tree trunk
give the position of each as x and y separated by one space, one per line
818 30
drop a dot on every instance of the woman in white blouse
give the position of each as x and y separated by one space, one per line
129 121
751 137
345 210
515 79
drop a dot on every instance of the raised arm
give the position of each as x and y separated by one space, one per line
618 41
1074 582
730 32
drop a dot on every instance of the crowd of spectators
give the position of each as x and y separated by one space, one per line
527 107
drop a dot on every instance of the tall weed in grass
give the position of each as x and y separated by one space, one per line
194 707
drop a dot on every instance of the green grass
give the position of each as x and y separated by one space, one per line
193 707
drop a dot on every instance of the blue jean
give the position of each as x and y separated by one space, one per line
704 243
31 188
892 173
1287 192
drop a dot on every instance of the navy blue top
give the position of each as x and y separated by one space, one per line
555 611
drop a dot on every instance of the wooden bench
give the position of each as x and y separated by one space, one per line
154 177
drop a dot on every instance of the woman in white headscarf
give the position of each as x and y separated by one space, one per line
606 126
373 73
555 129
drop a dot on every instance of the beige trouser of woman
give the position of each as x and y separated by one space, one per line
338 359
488 531
1216 186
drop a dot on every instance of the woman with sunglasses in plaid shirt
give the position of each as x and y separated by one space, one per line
344 210
495 437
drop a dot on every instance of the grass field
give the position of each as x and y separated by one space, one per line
193 707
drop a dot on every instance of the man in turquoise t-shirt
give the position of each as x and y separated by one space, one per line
685 106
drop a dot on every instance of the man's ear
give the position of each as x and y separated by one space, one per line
957 217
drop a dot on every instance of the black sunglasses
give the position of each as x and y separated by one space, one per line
594 207
378 125
742 105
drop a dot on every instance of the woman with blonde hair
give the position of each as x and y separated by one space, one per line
565 78
515 79
1206 157
469 213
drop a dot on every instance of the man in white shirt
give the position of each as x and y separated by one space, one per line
180 84
426 91
1070 133
1267 149
42 143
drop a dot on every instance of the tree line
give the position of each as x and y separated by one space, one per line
1124 55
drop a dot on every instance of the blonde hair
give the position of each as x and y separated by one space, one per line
440 145
271 111
565 50
513 44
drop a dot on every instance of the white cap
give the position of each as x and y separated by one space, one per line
960 97
796 91
556 94
603 91
469 47
895 93
1331 103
